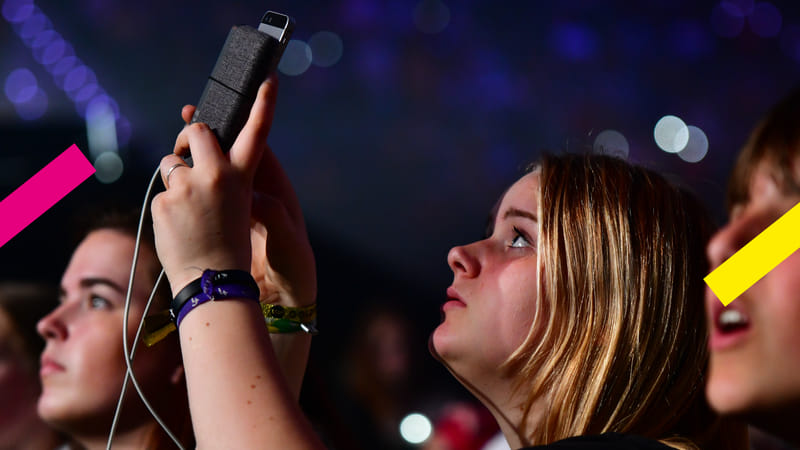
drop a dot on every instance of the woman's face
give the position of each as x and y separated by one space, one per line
83 363
755 341
492 299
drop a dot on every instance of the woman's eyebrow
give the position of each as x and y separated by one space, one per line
89 282
514 212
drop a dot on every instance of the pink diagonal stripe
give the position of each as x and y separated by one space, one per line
42 191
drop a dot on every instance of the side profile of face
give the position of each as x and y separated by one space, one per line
492 300
755 341
83 364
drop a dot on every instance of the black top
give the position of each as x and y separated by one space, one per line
605 441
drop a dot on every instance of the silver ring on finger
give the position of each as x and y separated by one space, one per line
169 172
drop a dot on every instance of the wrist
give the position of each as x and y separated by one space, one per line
213 285
178 279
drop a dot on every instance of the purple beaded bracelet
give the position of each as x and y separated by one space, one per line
213 285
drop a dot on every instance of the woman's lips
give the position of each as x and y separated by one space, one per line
453 300
49 366
729 326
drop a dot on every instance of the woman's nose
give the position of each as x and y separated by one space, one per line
463 261
52 326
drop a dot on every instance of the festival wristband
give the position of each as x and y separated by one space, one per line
213 285
284 319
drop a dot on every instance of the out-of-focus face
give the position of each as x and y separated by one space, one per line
492 300
19 388
83 363
755 341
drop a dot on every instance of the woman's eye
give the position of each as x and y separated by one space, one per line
519 240
97 302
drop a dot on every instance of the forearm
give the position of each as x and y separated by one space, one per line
237 395
291 351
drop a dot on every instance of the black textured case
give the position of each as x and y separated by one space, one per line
247 58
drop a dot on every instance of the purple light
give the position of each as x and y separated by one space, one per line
103 98
43 38
58 57
77 77
766 20
33 108
96 106
21 86
35 24
727 20
41 42
574 42
16 11
86 92
53 52
63 66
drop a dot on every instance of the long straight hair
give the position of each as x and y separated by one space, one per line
618 342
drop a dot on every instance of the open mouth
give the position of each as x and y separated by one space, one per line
732 320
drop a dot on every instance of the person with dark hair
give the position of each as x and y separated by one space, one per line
754 370
83 365
578 315
21 306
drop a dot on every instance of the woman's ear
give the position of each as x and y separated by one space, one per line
177 375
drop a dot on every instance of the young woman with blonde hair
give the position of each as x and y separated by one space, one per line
580 314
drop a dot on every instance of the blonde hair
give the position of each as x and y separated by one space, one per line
618 342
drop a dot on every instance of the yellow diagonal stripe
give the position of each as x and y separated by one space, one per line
757 258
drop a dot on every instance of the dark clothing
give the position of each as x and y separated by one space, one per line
604 441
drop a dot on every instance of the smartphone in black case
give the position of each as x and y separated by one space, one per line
247 58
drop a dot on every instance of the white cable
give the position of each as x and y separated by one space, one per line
130 354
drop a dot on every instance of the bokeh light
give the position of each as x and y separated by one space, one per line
32 26
108 167
611 142
53 52
100 127
77 77
697 146
671 134
50 50
431 16
326 48
415 428
21 85
16 11
766 20
41 40
33 108
296 58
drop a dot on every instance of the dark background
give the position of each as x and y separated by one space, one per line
399 148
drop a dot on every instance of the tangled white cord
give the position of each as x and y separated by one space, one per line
129 354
